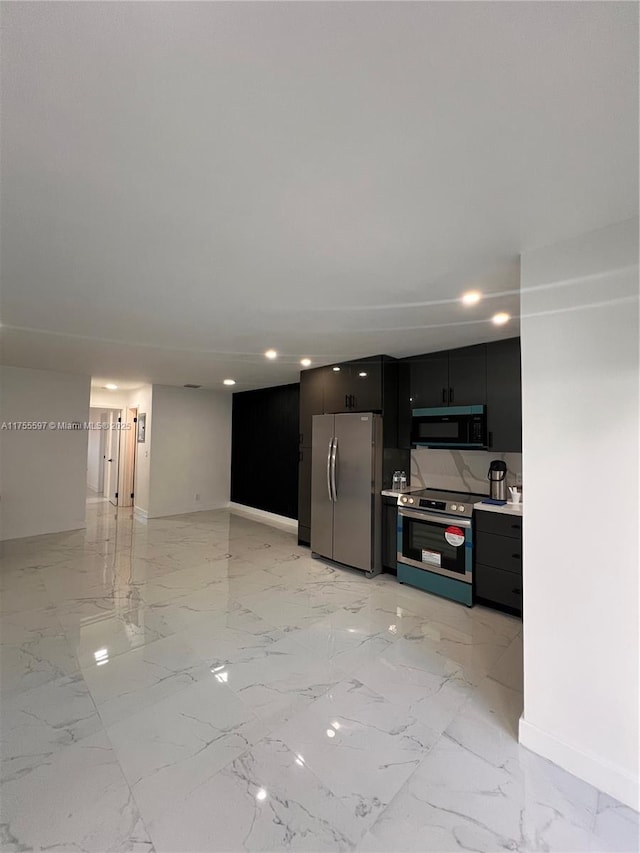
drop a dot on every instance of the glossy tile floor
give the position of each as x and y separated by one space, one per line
200 683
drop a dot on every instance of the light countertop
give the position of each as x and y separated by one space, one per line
505 509
396 493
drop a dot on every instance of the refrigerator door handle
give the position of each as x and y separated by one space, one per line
334 453
329 454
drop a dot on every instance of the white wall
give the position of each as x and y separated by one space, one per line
190 450
101 398
141 399
580 434
43 472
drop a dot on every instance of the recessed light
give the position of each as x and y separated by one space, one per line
471 297
228 381
362 374
337 369
500 318
305 362
271 353
111 387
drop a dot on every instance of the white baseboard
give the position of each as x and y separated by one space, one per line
615 781
140 513
280 521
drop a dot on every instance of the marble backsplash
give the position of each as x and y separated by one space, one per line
460 470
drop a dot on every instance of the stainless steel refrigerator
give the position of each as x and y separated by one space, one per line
346 481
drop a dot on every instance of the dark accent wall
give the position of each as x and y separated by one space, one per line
264 449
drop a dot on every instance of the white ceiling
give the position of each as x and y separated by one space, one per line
186 185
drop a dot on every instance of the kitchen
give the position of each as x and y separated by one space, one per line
421 410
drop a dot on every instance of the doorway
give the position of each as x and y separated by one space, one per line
111 456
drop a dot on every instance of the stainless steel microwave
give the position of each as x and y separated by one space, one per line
450 426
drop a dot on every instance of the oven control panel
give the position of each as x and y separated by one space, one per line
435 505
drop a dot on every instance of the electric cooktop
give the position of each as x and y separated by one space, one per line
437 500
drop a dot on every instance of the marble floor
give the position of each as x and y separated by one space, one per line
200 683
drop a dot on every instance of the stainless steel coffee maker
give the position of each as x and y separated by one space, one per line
497 480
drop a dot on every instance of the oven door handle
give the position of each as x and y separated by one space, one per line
418 515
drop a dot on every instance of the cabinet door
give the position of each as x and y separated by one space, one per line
429 380
498 586
337 387
501 552
467 376
504 396
311 402
365 386
389 533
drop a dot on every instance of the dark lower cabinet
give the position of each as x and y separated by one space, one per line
497 587
497 565
389 534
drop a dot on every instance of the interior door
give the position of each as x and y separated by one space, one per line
112 460
126 468
353 515
321 500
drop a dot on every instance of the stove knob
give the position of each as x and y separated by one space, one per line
461 508
454 507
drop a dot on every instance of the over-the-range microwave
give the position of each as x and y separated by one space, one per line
449 426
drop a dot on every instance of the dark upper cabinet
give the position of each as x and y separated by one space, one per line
311 402
429 380
467 376
450 378
337 385
354 386
504 396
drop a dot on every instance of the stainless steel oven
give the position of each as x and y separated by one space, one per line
435 542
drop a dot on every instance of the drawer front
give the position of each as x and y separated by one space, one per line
500 587
501 552
494 522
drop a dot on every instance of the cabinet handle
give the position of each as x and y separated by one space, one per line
352 401
444 395
346 401
451 395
